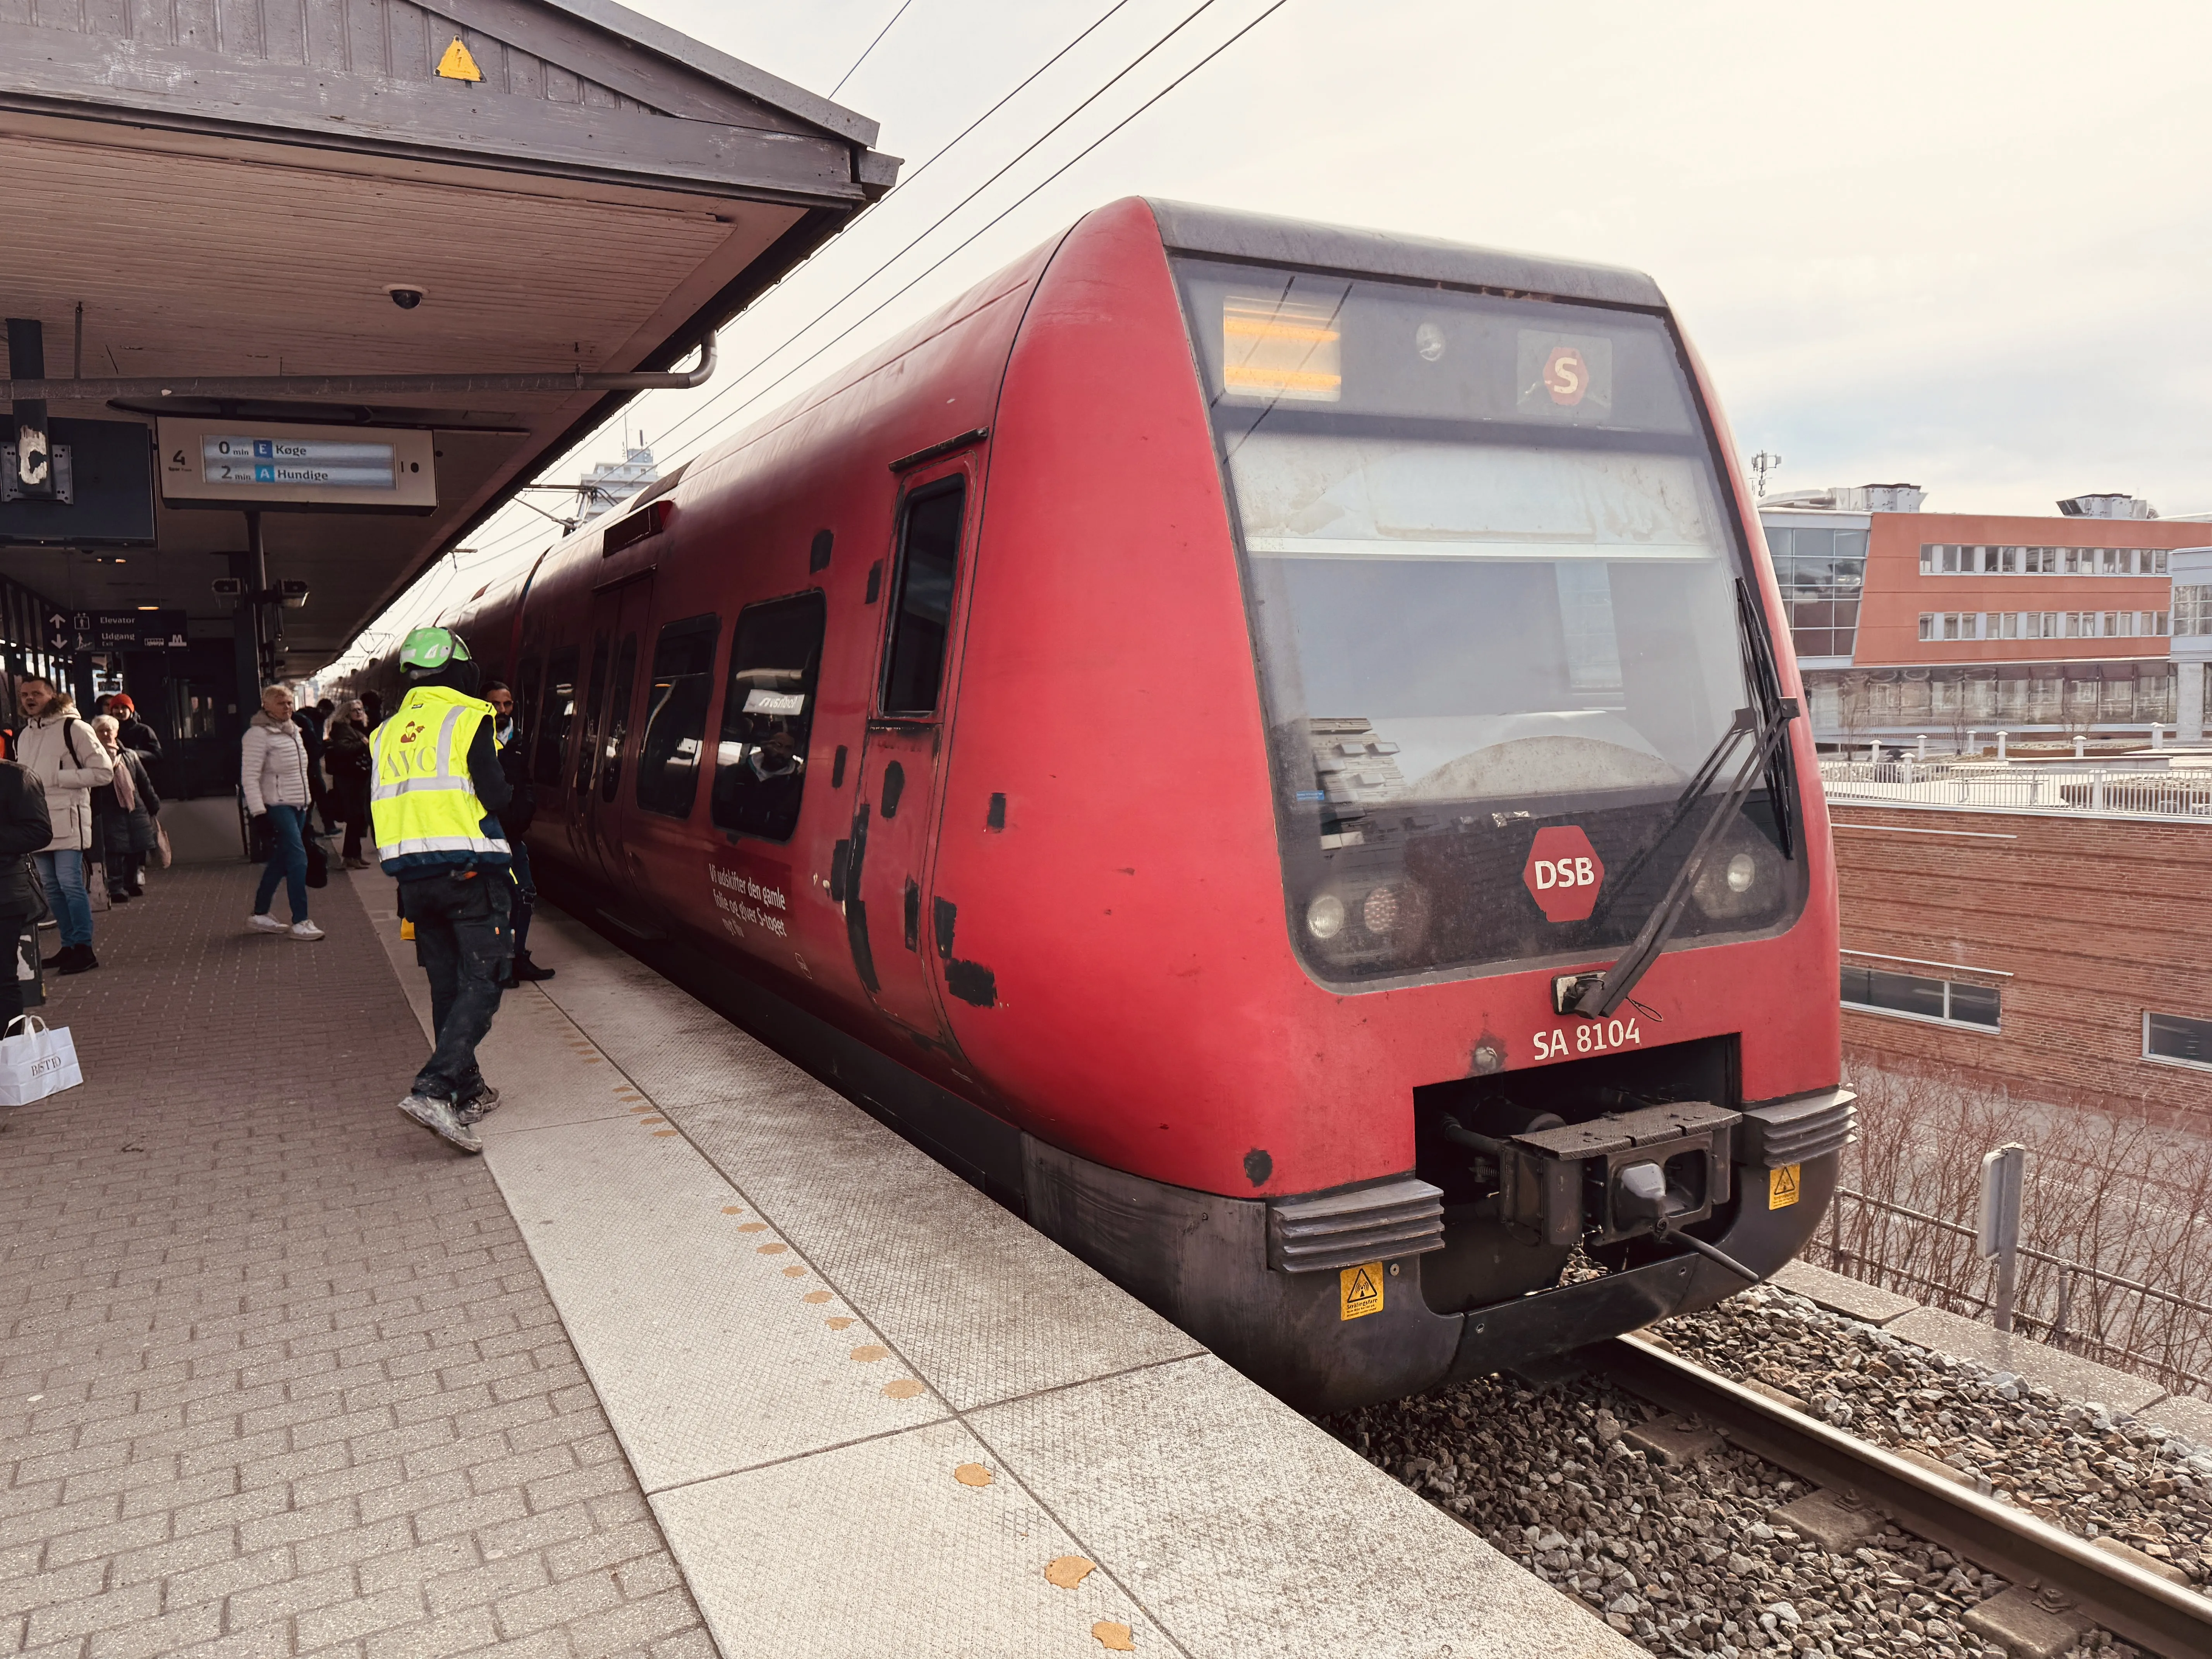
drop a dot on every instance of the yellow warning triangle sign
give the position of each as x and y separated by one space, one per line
457 64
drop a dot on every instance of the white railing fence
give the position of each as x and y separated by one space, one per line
2089 791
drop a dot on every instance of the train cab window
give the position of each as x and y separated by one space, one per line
557 715
625 677
1496 586
768 714
676 716
921 614
595 700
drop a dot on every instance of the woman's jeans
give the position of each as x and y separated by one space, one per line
287 862
62 872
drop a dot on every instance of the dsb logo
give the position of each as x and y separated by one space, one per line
1564 873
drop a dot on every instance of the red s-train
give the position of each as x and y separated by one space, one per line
1181 733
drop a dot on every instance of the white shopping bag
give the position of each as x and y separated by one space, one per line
35 1061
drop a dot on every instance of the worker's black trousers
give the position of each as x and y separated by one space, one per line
462 941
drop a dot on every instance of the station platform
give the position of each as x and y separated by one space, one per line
697 1357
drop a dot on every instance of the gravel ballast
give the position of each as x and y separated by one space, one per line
1687 1561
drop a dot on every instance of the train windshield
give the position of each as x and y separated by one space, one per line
1492 582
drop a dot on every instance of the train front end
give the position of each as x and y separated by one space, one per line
1526 1032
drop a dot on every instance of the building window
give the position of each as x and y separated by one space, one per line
1875 990
2177 1039
2192 609
1821 573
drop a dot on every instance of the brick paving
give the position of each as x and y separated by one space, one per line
277 1374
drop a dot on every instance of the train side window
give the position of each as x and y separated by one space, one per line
922 612
595 700
768 714
618 717
676 716
556 716
527 680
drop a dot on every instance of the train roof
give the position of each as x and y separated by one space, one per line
1265 240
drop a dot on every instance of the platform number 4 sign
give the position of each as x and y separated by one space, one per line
1360 1291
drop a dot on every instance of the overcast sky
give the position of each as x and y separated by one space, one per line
1963 245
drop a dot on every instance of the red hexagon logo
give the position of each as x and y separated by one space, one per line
1564 873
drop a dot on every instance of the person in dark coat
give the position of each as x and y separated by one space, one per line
25 828
124 809
137 735
310 722
514 817
346 760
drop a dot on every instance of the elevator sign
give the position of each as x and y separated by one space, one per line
247 464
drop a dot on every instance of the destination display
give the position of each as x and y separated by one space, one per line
233 458
214 462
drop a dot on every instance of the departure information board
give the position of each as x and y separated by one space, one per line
236 457
213 462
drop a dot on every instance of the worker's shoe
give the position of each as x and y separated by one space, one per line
479 1106
77 959
437 1116
304 929
526 970
265 923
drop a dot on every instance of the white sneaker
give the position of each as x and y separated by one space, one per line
265 923
306 930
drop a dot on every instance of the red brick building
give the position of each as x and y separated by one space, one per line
2060 954
1911 623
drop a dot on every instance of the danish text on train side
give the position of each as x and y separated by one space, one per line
755 896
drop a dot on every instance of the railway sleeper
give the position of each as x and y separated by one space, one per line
2037 1617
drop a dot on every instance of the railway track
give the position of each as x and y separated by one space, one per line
2062 1575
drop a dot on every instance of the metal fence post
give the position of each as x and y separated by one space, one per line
1997 1236
2058 1338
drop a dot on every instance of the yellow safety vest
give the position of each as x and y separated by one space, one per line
422 807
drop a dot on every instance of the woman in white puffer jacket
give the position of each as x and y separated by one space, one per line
61 750
272 770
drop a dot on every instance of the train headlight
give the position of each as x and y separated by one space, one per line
1735 885
1378 912
1325 916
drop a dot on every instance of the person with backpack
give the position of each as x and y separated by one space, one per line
272 770
59 750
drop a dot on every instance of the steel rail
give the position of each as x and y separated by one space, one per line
2136 1606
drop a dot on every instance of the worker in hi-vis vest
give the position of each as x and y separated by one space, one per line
435 792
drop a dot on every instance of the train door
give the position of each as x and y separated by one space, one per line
895 806
618 619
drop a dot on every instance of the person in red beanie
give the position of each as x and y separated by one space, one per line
132 733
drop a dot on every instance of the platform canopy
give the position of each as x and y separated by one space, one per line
216 208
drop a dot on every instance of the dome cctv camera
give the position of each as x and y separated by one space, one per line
405 296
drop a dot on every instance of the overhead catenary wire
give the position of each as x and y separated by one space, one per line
690 446
927 230
523 531
989 224
871 46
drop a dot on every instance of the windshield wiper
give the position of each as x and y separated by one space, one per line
1597 995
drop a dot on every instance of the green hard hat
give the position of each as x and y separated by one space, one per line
428 649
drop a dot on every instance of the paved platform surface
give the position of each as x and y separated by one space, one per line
277 1374
870 1408
696 1355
